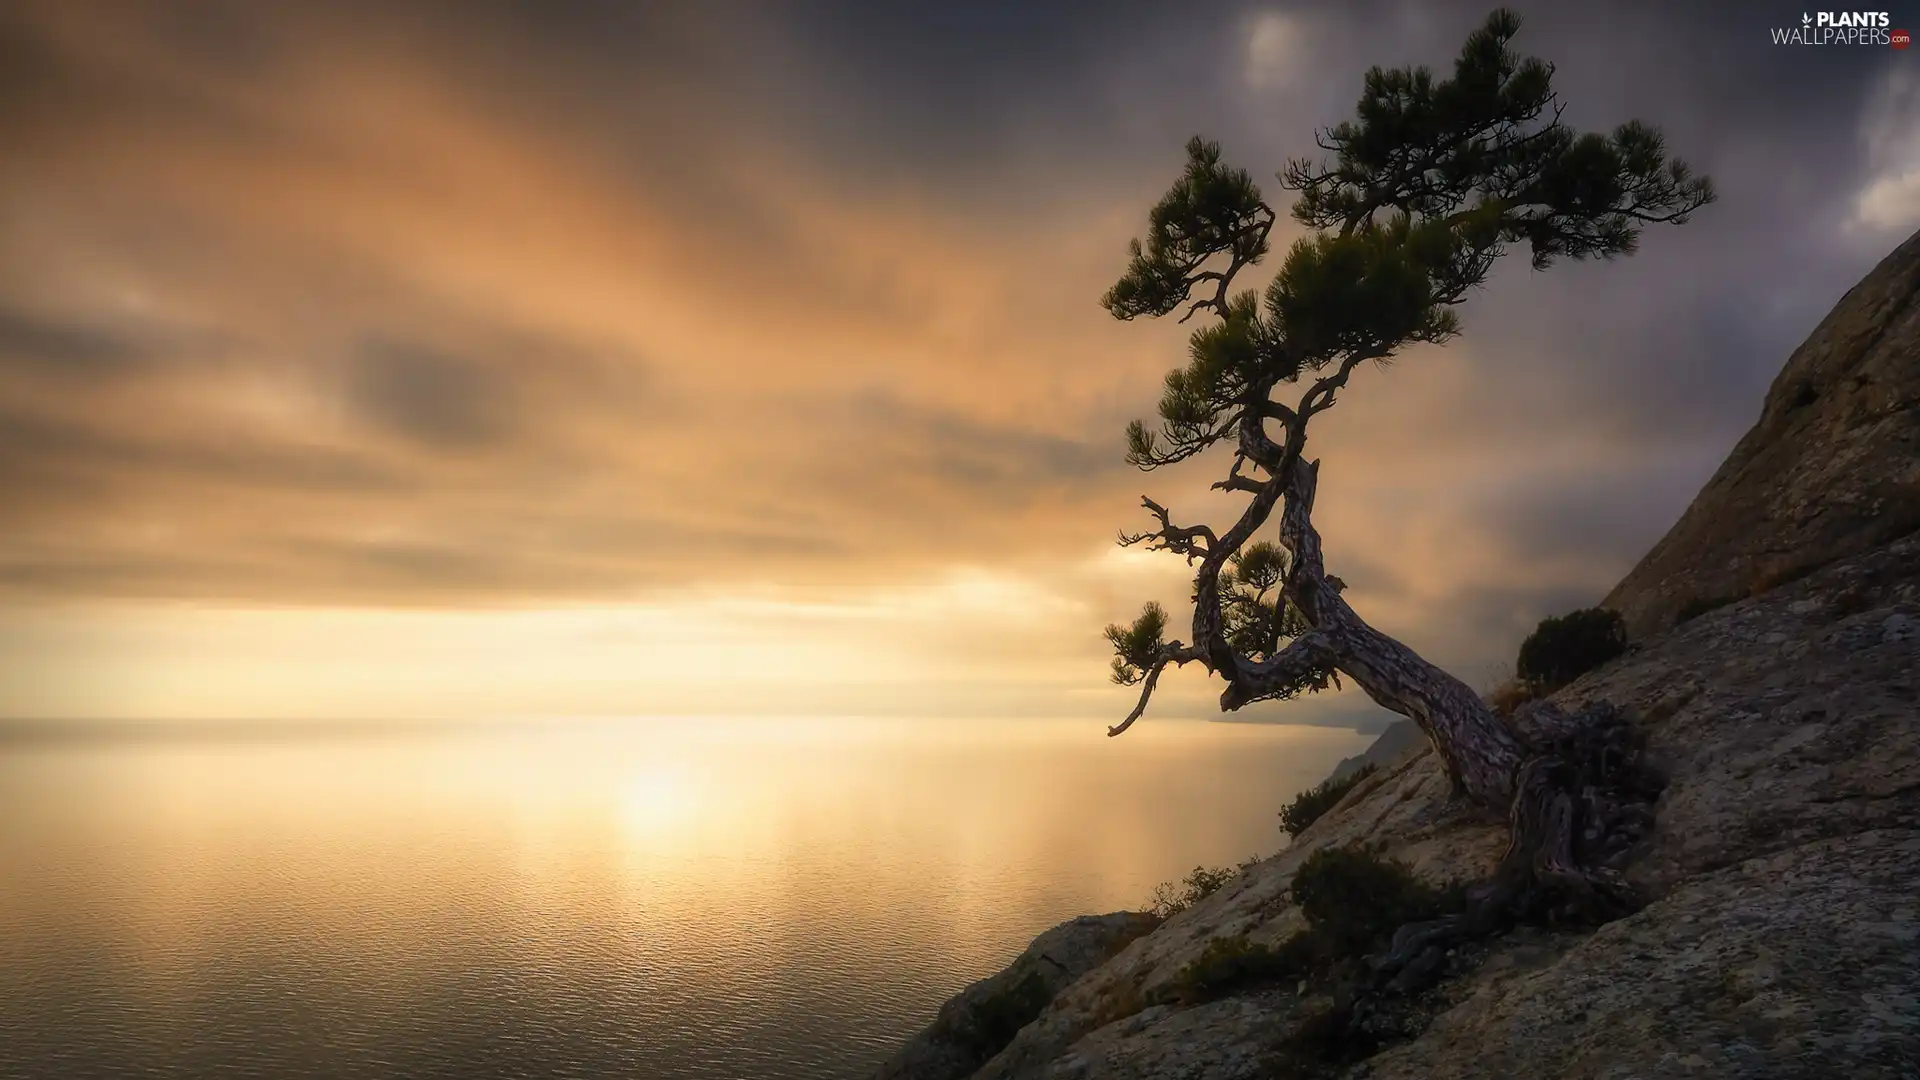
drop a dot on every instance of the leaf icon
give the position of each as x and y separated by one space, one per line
1806 19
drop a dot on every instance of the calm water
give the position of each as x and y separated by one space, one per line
660 900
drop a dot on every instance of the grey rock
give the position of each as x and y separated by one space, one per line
1800 963
1830 470
1399 737
977 1022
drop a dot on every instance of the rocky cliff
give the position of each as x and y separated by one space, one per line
1831 469
1783 934
1400 737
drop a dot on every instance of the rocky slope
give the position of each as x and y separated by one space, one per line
1831 469
1783 936
979 1020
1400 737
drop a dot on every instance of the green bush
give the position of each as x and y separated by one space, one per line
1355 900
1234 963
1170 899
1565 647
1307 806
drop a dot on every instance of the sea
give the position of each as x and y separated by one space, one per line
662 899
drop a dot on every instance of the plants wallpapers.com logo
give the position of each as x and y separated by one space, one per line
1843 28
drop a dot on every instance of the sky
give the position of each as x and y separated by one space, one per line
494 359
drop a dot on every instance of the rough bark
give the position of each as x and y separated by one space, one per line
1481 753
1573 787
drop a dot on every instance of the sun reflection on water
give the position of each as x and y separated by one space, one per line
658 799
684 901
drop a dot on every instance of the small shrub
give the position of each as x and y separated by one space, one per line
1308 806
1565 647
1510 695
1355 900
1230 964
1170 899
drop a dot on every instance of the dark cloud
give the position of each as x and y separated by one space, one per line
30 340
421 393
1590 516
999 460
1479 632
46 460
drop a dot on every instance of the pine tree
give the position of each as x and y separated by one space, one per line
1419 197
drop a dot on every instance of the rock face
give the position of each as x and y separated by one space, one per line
1832 468
1785 867
1399 737
1783 934
979 1021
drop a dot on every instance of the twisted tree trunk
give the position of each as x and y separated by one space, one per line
1482 754
1573 787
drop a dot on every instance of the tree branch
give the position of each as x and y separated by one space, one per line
1245 246
1181 540
1308 585
1306 664
1173 652
1320 397
1237 482
1255 444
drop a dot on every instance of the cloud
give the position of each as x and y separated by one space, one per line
424 394
34 341
1889 201
1278 52
479 306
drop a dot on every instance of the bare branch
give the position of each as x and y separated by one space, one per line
1273 410
1173 652
1181 540
1256 446
1307 565
1139 709
1237 482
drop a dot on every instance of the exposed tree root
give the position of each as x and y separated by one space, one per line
1582 801
1583 798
